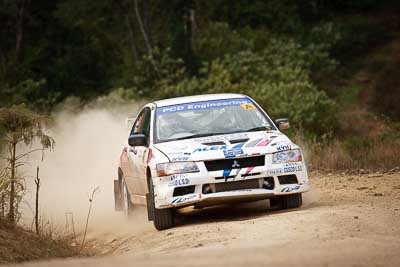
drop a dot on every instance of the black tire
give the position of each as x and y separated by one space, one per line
287 202
127 204
162 218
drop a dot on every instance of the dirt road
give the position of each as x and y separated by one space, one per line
346 221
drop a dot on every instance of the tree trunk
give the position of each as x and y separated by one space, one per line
130 27
37 182
140 22
189 26
11 211
147 21
145 36
19 35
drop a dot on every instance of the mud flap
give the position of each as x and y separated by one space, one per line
117 196
150 207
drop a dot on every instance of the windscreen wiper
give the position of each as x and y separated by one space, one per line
196 135
259 128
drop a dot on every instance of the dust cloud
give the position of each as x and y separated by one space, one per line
310 197
88 146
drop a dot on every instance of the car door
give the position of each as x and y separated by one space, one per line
138 157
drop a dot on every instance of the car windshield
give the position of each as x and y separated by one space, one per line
206 118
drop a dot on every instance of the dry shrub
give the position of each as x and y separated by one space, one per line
18 245
338 155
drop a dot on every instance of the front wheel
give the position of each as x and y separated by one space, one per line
287 202
162 218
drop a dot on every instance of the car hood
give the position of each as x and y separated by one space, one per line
226 146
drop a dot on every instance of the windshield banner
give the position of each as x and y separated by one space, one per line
244 102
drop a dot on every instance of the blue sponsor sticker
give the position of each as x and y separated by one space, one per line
230 153
178 200
210 148
288 189
179 182
180 158
221 103
226 172
283 147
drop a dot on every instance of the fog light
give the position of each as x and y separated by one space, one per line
268 183
184 190
206 189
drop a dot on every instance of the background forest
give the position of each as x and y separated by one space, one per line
331 66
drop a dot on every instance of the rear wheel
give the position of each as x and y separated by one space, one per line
287 202
162 218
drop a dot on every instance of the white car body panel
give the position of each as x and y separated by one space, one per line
135 162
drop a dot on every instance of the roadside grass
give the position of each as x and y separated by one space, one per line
18 244
352 154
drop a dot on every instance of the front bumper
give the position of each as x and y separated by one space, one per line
227 190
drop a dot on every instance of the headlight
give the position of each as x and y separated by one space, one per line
164 169
286 156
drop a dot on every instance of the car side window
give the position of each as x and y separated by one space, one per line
142 124
146 123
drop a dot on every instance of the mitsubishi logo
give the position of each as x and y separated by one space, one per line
235 164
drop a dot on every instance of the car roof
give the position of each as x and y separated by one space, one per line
195 98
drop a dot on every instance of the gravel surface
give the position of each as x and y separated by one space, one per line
347 220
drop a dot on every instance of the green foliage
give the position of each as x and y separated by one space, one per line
278 51
22 125
278 15
218 39
31 94
143 80
115 98
348 95
277 77
352 143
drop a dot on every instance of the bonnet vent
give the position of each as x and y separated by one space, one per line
239 140
220 143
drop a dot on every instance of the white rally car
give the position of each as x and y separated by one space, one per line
206 150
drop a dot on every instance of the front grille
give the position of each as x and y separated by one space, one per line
237 185
225 177
233 176
227 164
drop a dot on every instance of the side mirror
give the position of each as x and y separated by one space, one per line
137 140
282 124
